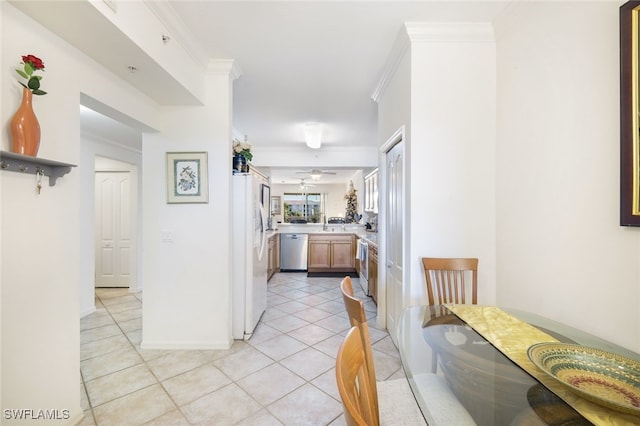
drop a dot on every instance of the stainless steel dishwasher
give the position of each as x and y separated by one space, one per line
293 252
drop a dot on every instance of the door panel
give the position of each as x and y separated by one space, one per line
319 254
113 229
124 220
343 254
105 261
394 234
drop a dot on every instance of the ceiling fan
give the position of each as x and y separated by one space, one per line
304 185
316 173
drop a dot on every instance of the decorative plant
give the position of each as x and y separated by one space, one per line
31 65
243 149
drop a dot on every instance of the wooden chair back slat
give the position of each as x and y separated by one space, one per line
354 386
446 282
358 319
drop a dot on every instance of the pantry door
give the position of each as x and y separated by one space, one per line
394 236
113 229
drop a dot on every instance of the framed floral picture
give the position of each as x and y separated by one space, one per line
187 180
275 205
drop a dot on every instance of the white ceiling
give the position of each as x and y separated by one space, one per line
309 61
300 61
99 126
288 175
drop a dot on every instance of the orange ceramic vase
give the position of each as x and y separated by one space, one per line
25 129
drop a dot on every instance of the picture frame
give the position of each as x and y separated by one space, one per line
276 205
629 112
187 177
266 196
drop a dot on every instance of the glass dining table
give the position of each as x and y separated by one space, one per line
458 377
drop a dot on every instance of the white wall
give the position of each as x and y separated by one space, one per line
42 242
449 118
40 276
187 281
560 249
452 150
394 113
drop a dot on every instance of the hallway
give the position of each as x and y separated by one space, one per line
284 375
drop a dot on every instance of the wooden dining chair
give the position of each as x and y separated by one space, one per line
358 318
354 384
392 401
446 279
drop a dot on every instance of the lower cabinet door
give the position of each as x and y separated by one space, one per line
342 254
319 254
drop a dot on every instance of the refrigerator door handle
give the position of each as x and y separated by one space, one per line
263 231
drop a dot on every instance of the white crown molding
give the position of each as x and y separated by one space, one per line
398 50
434 32
224 66
167 15
456 32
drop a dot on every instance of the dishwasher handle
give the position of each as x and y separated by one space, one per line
295 236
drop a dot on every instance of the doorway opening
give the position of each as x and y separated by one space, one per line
110 142
115 223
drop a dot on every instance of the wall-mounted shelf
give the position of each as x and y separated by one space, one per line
27 164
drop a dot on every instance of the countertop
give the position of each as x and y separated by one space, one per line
331 229
370 237
319 228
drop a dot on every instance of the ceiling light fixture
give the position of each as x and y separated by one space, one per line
313 135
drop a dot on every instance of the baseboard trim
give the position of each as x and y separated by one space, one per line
193 345
332 274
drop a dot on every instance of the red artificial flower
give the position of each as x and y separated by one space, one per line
31 64
34 61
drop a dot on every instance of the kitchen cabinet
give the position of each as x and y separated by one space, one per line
319 254
371 192
331 253
373 272
273 255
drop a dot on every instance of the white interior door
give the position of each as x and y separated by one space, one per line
113 229
394 237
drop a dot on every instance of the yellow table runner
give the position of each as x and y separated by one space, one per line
513 337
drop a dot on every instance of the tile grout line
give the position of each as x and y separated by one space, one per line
294 289
117 323
144 361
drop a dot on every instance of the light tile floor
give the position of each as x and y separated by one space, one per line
283 375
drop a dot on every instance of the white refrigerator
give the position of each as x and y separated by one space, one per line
249 255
